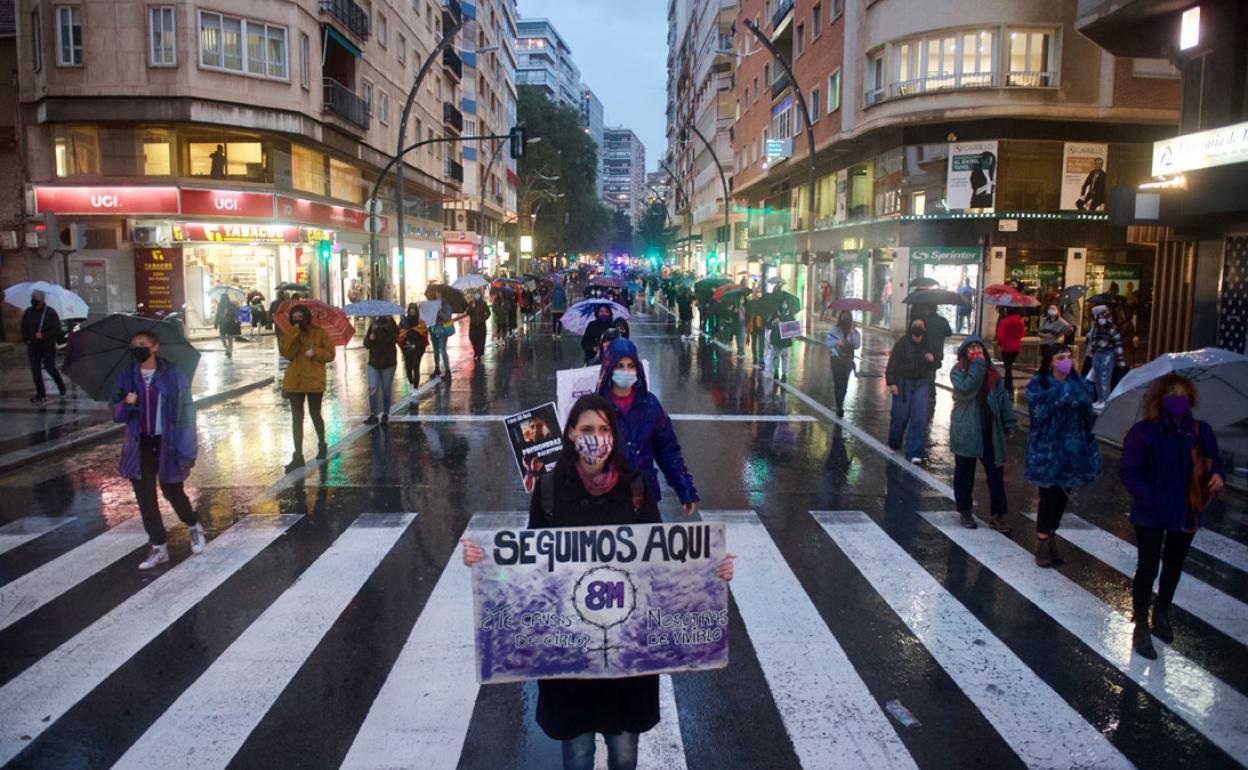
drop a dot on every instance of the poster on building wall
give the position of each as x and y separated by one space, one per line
1083 176
971 182
842 195
158 285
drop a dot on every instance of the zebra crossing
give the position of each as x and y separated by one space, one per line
833 709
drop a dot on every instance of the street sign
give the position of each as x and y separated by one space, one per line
374 206
372 225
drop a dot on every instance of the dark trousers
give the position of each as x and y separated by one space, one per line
686 326
476 336
758 345
1049 512
841 370
1008 359
43 358
296 416
556 321
964 480
411 363
1157 547
145 492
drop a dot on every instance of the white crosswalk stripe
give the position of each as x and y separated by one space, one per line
22 531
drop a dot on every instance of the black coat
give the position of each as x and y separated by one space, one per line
906 362
567 708
383 349
43 320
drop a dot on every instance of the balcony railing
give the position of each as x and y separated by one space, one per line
1031 79
453 9
343 102
454 172
779 84
351 15
939 83
783 8
451 116
452 62
873 96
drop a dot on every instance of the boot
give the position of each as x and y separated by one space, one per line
1161 623
1142 641
968 520
1053 554
998 523
1044 552
296 462
322 450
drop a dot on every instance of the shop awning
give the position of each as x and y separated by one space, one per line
342 41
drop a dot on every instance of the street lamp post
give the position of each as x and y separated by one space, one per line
809 256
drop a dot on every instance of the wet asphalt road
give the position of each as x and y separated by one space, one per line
783 456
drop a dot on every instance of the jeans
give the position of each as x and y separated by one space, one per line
380 387
772 353
227 342
841 369
556 321
440 356
909 417
964 480
296 417
1156 546
738 331
1049 512
43 359
578 753
145 492
1103 374
1009 359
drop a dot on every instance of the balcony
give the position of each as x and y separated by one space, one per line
452 12
452 117
454 172
452 62
939 83
350 15
779 85
873 96
783 9
1031 79
343 102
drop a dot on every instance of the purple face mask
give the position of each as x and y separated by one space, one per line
1063 365
1175 406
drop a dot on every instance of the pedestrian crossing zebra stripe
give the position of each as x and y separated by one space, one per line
28 528
213 717
830 715
1209 705
43 693
1225 613
1021 707
1221 548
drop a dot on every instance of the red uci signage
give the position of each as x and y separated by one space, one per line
106 200
314 213
230 203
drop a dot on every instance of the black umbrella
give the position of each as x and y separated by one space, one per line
294 287
935 297
1072 294
704 288
453 297
925 283
100 352
1106 299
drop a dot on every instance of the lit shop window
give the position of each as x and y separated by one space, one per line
77 151
157 152
307 167
345 181
226 159
1031 58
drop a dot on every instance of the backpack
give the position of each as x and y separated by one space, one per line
546 488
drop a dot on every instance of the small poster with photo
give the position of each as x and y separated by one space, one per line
535 441
790 330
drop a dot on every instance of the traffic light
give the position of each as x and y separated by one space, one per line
324 249
517 139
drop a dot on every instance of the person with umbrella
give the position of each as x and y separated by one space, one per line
776 361
308 349
983 418
414 339
1010 331
558 306
594 331
757 327
40 327
478 314
1105 351
842 341
153 400
1171 468
907 375
440 332
382 341
1062 453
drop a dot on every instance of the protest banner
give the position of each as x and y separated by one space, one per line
535 440
790 330
600 602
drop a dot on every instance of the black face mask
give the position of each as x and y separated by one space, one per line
845 323
36 303
917 332
140 353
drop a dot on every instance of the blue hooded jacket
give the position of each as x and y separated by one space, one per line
647 430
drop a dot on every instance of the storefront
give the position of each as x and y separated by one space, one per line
881 289
954 268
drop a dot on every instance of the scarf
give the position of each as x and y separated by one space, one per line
601 484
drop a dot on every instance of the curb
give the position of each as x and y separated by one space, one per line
100 433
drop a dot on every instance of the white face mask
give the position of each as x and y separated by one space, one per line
1102 321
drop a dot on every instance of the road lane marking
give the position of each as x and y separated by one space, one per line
1222 548
25 529
212 718
1213 708
832 718
1024 710
43 693
1223 612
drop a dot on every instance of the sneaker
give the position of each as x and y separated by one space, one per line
1099 406
198 541
916 460
372 420
158 555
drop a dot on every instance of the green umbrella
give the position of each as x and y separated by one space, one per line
704 288
100 351
769 304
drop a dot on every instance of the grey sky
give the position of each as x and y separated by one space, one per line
620 47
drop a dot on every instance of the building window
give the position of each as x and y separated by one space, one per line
305 61
77 151
164 44
221 46
1031 58
383 107
816 21
383 29
368 97
345 182
815 104
963 60
307 167
402 50
799 39
68 35
918 203
834 92
36 40
220 159
874 78
837 7
157 152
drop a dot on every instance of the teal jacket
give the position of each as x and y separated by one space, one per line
965 430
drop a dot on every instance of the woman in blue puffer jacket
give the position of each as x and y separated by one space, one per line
644 427
1061 451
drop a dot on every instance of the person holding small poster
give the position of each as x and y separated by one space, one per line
593 485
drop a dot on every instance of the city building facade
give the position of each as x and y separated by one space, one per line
968 144
169 148
591 120
624 172
544 60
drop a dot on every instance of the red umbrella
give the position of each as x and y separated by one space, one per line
335 322
853 304
1011 300
1000 289
737 291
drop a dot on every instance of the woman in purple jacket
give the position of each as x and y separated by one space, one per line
1155 468
153 400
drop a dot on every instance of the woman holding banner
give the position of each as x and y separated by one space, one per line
593 485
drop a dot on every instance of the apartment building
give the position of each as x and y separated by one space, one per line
966 143
544 60
232 144
624 172
591 120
